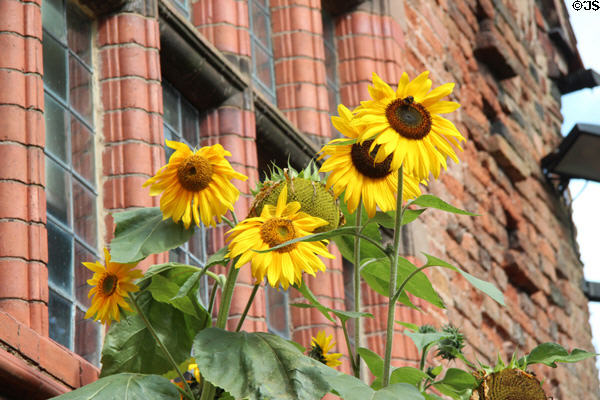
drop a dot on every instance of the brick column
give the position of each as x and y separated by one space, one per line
225 24
131 93
23 244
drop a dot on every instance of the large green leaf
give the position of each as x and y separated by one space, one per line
130 347
377 276
127 387
423 339
459 379
484 286
408 375
258 366
431 201
388 219
373 360
142 232
551 353
398 391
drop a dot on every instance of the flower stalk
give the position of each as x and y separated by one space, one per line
357 294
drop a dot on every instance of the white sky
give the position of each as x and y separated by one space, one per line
584 106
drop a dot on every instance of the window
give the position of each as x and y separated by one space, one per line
277 311
331 62
70 175
263 73
181 122
183 6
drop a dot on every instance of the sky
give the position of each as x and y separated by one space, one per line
584 106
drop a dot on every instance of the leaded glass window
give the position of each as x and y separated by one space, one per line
331 62
71 184
263 73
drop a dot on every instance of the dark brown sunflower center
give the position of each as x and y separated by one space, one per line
108 284
194 173
316 353
276 231
411 120
364 161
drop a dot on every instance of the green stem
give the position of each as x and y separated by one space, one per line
213 296
357 294
188 390
250 300
208 390
355 367
408 278
393 276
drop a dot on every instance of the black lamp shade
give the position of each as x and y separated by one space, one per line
578 155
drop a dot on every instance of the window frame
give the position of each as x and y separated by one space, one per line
267 48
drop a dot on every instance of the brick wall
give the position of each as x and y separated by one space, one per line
501 57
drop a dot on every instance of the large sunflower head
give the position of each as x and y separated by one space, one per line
304 187
509 384
111 283
276 225
355 170
320 347
195 184
405 125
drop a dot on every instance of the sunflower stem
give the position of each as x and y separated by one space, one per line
250 300
393 276
188 390
213 296
350 353
357 294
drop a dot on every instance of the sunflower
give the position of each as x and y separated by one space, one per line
354 170
405 125
276 225
321 345
111 284
195 184
509 384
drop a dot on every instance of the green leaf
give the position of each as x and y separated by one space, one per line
410 375
130 347
142 232
551 353
314 303
373 360
125 386
218 258
424 339
345 243
258 366
429 200
377 276
431 396
342 142
459 380
388 219
398 391
413 327
484 286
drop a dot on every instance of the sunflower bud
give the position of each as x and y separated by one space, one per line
451 347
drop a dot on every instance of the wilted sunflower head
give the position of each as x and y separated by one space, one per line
509 384
304 187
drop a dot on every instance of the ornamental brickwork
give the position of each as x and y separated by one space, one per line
505 56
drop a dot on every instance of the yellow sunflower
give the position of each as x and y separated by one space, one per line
278 224
111 284
354 170
195 184
406 124
321 345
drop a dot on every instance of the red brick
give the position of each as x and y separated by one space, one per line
22 18
9 328
15 272
133 124
130 61
302 95
59 362
21 53
18 309
29 343
298 44
132 93
128 28
300 70
228 38
20 125
296 19
88 372
132 158
20 89
126 191
220 11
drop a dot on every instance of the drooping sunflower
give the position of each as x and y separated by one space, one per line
320 347
406 124
276 225
111 283
509 384
195 184
354 169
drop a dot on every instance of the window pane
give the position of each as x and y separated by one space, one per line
55 66
196 245
263 67
189 123
79 33
259 24
59 319
56 128
170 106
277 311
84 213
330 64
57 191
87 333
82 274
53 18
80 89
60 248
82 150
178 256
